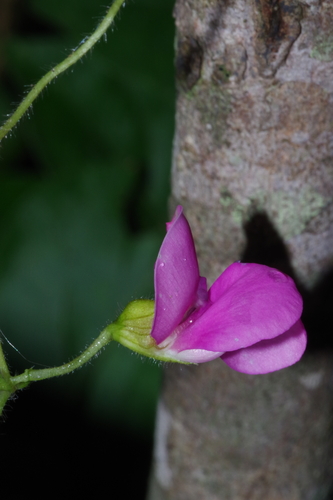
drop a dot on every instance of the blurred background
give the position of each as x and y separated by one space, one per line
84 182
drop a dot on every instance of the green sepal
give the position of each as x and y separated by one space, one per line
133 330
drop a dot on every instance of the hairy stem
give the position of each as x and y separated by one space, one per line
31 375
4 396
3 365
6 386
79 52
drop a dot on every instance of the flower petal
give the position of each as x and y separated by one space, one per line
250 303
176 277
269 355
196 356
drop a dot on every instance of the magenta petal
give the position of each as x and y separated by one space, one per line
176 277
269 355
250 303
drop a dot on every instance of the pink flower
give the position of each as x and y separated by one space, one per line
250 317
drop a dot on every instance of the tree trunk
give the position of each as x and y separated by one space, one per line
253 169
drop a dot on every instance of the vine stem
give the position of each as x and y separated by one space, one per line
3 365
75 55
6 386
31 375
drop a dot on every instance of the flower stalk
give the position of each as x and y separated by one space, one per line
10 384
31 375
73 57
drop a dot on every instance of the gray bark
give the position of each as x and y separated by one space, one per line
253 168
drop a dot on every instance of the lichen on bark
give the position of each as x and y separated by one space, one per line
257 123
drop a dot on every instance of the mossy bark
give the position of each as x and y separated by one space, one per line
253 168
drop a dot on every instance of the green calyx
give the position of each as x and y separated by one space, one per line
132 328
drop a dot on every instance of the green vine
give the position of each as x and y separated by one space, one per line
10 384
75 55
